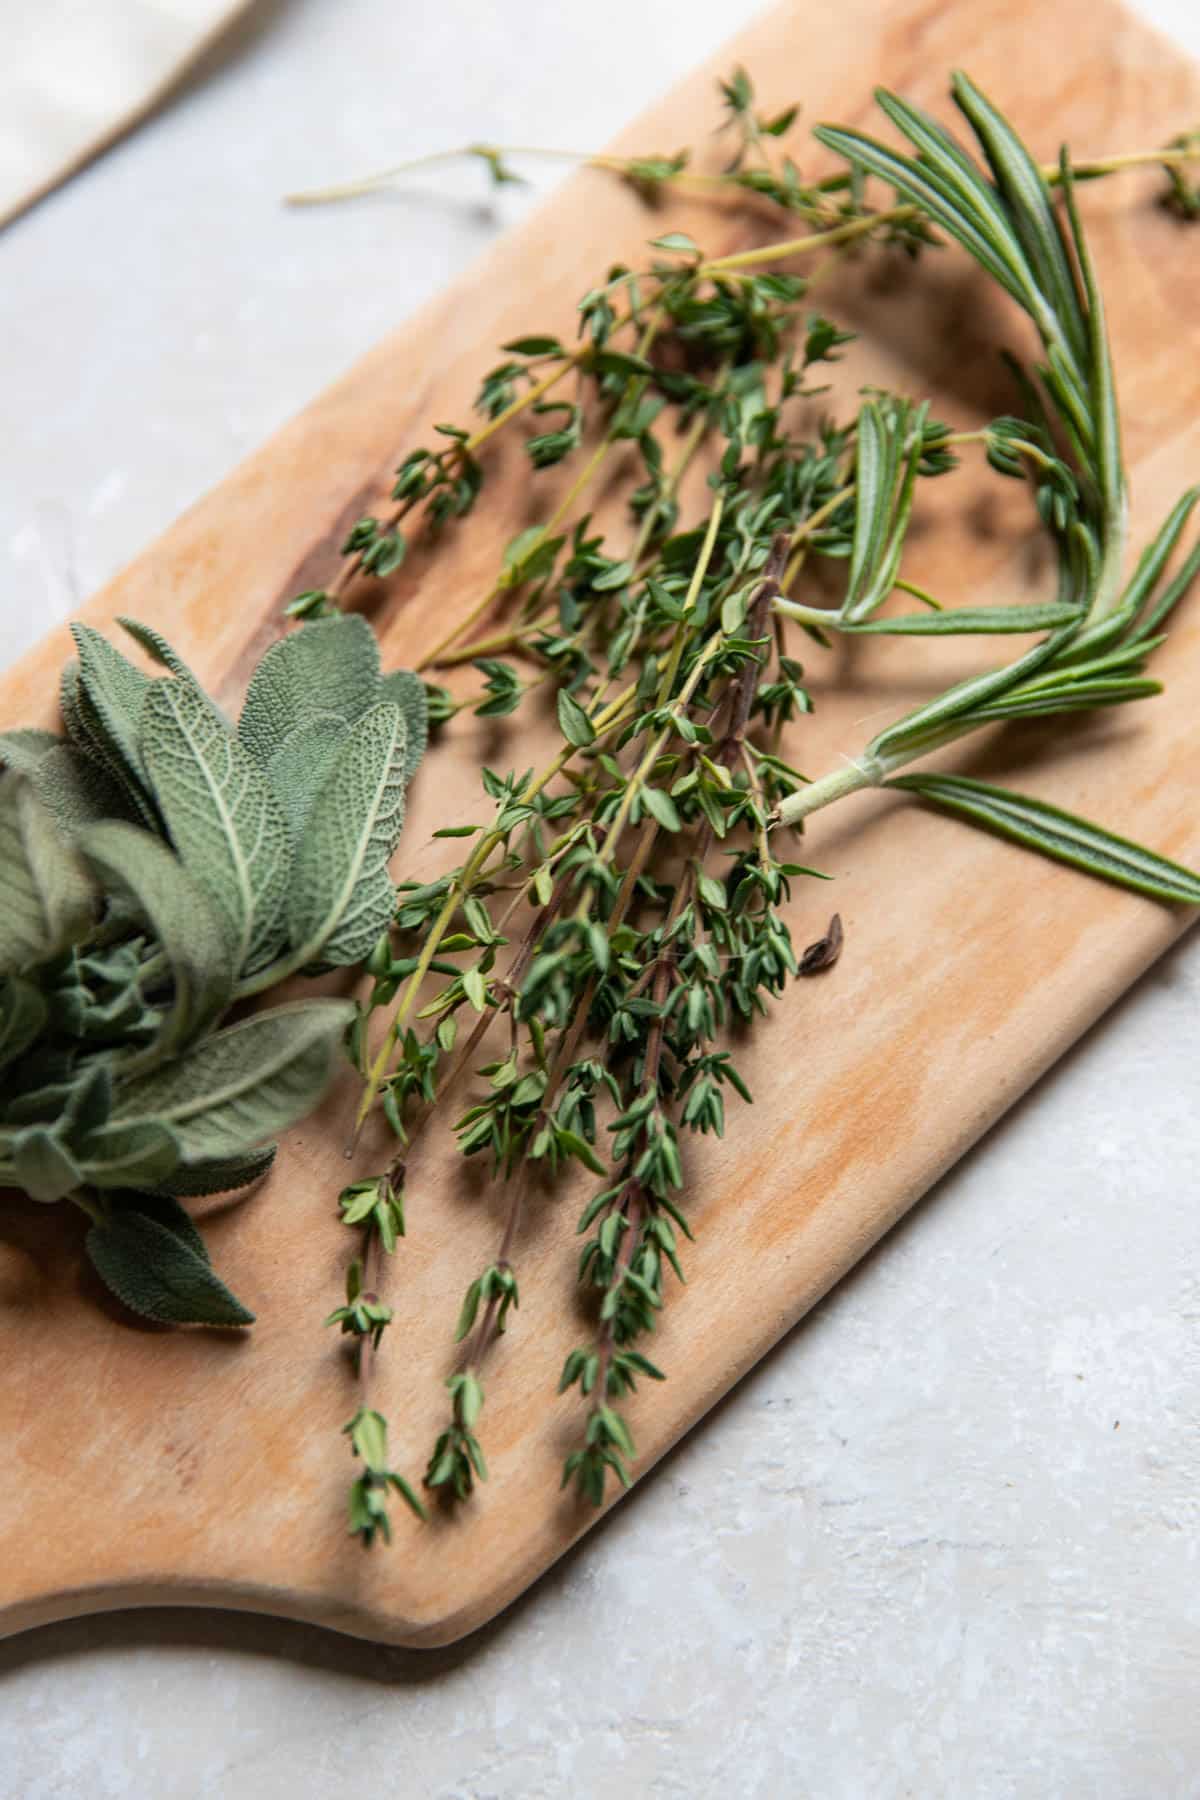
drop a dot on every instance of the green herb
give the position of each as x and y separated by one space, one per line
618 910
160 867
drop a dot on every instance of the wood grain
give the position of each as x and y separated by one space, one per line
196 1469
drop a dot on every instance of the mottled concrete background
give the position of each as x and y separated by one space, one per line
944 1541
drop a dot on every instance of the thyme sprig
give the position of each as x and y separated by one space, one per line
654 175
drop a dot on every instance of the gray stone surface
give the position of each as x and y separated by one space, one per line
943 1542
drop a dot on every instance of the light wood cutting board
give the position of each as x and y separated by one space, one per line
207 1470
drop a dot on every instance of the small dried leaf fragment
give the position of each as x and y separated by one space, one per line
825 952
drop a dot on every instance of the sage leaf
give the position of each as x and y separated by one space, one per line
154 1272
137 1154
192 932
40 1105
301 763
247 1082
165 1210
22 1016
327 666
155 645
43 1166
342 896
77 790
407 691
24 749
87 736
222 1175
88 1103
223 818
115 692
49 898
1059 835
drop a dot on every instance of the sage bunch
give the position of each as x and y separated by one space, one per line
161 866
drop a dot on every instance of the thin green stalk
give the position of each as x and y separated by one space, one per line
457 893
577 487
803 246
689 603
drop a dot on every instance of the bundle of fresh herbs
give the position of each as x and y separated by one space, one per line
161 866
619 910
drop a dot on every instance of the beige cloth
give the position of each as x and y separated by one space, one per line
76 74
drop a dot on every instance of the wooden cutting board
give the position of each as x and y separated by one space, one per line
145 1467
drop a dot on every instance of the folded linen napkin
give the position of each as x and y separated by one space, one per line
77 74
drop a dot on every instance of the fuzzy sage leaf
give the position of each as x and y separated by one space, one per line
328 666
245 1083
192 931
222 815
156 1272
220 1175
342 895
49 896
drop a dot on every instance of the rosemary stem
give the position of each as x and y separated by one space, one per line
869 771
819 616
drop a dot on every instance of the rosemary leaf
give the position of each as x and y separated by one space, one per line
1059 835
